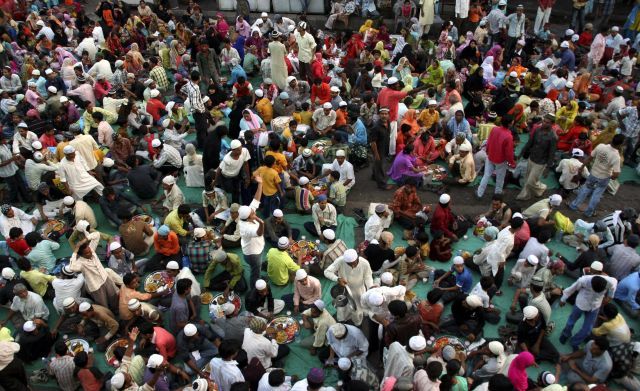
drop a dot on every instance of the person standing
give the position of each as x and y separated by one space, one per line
544 12
353 271
192 90
515 29
379 142
252 234
499 155
306 50
100 287
630 126
427 11
578 14
278 67
606 166
540 153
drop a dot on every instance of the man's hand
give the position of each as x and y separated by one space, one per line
296 309
342 281
133 334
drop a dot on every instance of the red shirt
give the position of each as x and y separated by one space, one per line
88 381
165 343
500 146
442 220
20 246
48 140
323 92
585 38
390 98
153 108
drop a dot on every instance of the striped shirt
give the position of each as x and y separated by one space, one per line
616 226
303 199
62 369
159 75
192 91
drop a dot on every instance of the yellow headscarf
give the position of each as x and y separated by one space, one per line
566 114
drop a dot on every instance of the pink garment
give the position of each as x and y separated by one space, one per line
518 371
254 123
597 48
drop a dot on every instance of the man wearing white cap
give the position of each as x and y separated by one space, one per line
166 159
98 283
280 267
399 360
298 90
380 220
35 340
196 347
306 291
172 196
540 154
75 175
199 250
323 120
497 20
467 318
353 272
306 50
101 319
344 340
521 275
319 320
260 301
35 167
334 250
532 332
275 227
23 139
572 171
233 170
543 208
277 64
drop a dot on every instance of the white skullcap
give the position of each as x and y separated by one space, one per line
327 105
28 326
465 148
278 213
108 162
114 246
36 145
68 149
228 308
521 42
532 259
386 278
302 25
23 125
307 152
444 198
547 378
564 44
169 180
344 363
433 102
496 347
290 79
458 260
513 74
264 15
117 380
261 284
575 37
133 304
166 122
448 353
376 299
63 99
244 212
173 265
569 84
155 143
338 330
343 104
190 330
517 214
119 63
82 225
615 28
392 80
474 301
283 242
350 255
417 343
569 32
303 181
68 200
529 312
334 89
619 89
259 93
84 306
329 234
301 274
35 72
31 84
502 2
319 304
235 144
154 93
148 82
155 361
597 266
68 302
577 152
199 232
555 200
8 273
340 153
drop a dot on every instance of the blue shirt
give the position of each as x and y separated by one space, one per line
42 255
627 290
464 280
462 127
359 135
236 72
567 59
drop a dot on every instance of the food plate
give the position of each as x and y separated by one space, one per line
438 173
206 298
142 217
77 345
219 300
284 329
441 342
53 226
156 280
109 356
304 247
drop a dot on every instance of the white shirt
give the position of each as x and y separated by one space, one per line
534 247
102 67
46 31
251 243
398 362
587 299
168 155
264 385
306 46
526 272
89 46
354 341
20 219
225 373
303 385
388 293
346 172
98 34
230 167
257 345
33 172
373 228
24 142
478 291
568 169
69 287
173 198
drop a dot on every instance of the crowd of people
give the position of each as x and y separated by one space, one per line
107 120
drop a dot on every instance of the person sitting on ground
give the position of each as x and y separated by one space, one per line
232 276
499 213
324 216
405 205
275 226
280 267
318 319
260 301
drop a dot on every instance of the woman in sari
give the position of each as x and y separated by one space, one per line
400 44
367 31
114 44
496 54
317 68
475 84
487 70
62 54
354 47
239 46
134 52
256 40
442 40
222 27
606 136
242 26
424 148
464 44
518 371
566 114
131 65
253 123
411 120
383 36
550 104
384 53
520 120
175 55
446 51
403 69
566 138
67 73
330 49
405 167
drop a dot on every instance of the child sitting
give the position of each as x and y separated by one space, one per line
440 248
17 242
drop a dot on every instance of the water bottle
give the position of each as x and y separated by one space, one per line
432 276
303 237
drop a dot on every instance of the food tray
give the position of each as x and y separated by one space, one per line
438 173
284 329
306 247
143 217
206 298
441 342
53 226
77 345
156 280
108 354
218 300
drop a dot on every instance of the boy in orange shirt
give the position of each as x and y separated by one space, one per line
272 192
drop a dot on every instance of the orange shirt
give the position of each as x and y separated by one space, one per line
168 246
341 118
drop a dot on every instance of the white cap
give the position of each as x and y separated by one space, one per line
40 23
329 234
264 15
190 330
290 79
444 198
529 312
52 89
513 74
392 80
343 104
84 306
569 84
496 347
259 93
283 242
169 180
433 102
338 330
375 299
344 363
68 149
334 89
68 302
117 380
235 144
386 278
63 99
474 301
555 200
302 25
350 255
307 152
228 308
154 93
28 326
619 89
155 143
575 37
173 265
166 122
119 63
278 213
261 284
319 304
108 162
244 212
327 105
82 225
517 214
340 153
8 273
532 259
303 180
465 148
114 246
417 343
502 2
569 32
458 260
133 304
577 152
301 274
155 360
35 72
564 44
597 266
199 233
521 42
615 28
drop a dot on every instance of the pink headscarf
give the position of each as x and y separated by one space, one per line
518 371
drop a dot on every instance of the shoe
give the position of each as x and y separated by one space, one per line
563 339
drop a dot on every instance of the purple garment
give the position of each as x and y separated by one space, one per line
403 166
161 385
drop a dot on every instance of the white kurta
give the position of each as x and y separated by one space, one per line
398 362
193 171
358 278
427 8
462 9
20 220
278 66
76 174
